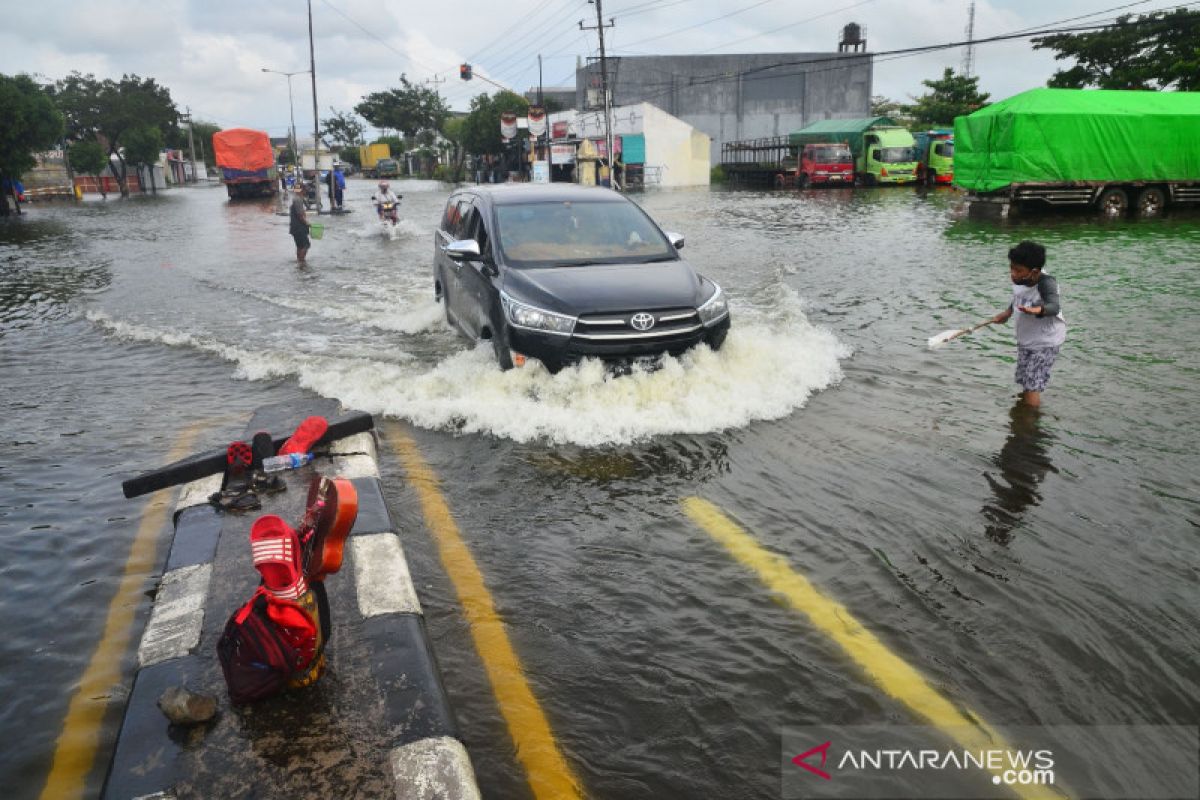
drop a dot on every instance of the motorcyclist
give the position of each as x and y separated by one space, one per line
384 195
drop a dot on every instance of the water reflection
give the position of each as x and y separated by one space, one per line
1023 462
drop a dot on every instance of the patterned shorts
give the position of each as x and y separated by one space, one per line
1033 367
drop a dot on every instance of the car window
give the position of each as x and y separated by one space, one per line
562 233
450 215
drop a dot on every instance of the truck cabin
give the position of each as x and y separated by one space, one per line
828 154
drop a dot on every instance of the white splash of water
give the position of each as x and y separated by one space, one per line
768 368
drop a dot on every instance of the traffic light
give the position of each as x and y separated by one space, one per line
464 72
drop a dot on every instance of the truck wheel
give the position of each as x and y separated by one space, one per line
1151 202
803 180
930 177
1113 203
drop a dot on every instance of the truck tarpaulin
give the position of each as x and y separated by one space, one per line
1079 135
243 150
835 131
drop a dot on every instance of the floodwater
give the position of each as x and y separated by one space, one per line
1037 569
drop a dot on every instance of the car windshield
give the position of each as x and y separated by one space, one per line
831 155
896 155
565 233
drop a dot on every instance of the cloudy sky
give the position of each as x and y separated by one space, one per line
210 53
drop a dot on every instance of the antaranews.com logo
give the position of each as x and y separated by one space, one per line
1007 767
881 762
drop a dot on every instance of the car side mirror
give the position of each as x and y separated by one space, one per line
676 239
462 250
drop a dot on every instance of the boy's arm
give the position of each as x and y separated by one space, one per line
1003 316
1048 289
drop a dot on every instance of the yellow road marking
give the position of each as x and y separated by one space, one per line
890 672
547 770
75 751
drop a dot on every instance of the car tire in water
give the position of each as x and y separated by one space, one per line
1150 202
500 348
1114 203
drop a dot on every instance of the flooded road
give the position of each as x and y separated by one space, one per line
1033 569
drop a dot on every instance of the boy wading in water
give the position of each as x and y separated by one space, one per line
298 226
1040 327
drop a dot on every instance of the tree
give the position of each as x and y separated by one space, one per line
952 96
29 123
453 129
344 129
107 110
89 158
1153 51
409 109
481 128
885 107
142 147
177 139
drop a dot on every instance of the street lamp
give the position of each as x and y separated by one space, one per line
291 110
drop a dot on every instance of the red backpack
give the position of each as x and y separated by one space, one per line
266 642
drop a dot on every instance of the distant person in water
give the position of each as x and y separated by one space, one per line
1040 327
298 225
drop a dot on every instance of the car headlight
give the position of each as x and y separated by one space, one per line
714 308
523 315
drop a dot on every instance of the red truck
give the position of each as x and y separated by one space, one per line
825 165
777 162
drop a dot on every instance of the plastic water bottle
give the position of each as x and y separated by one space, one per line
288 461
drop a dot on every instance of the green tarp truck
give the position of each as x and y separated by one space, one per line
883 151
1113 150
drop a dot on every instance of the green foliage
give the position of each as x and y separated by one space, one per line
108 110
142 145
481 127
350 155
952 96
717 174
87 157
342 128
394 142
29 123
1153 51
202 132
885 107
409 109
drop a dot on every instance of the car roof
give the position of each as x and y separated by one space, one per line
525 193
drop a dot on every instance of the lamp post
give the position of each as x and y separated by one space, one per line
291 109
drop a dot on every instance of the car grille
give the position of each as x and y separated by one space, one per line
615 334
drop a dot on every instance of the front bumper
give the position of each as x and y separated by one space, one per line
557 352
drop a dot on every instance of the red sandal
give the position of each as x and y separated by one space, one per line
277 557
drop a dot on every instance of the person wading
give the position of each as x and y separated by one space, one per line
299 223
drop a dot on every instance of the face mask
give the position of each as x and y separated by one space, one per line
1025 282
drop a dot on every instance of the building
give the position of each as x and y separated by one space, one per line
653 148
558 97
733 97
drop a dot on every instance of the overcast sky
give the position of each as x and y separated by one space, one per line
210 53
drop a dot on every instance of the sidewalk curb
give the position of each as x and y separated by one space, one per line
378 625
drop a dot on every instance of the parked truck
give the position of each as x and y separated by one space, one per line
1106 149
883 150
369 155
247 162
775 161
935 156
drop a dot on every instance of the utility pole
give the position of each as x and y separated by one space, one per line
312 64
191 143
969 56
542 106
436 81
608 137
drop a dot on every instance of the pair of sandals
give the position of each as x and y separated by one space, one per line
244 477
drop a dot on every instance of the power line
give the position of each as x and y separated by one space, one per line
702 24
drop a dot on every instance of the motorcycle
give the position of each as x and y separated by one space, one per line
388 212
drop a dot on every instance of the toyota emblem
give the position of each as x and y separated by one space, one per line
642 321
